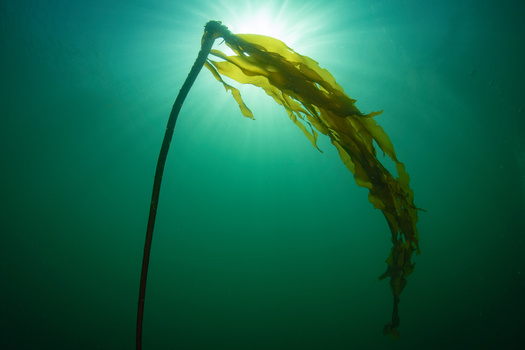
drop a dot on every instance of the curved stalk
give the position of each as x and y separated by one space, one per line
212 31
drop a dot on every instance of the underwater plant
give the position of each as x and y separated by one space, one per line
310 96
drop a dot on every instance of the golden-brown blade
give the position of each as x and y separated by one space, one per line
311 97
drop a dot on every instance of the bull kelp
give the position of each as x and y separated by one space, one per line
316 104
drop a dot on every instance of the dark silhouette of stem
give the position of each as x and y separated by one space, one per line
212 31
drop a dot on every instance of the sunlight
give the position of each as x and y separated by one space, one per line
292 22
263 21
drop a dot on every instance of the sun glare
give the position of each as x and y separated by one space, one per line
290 21
262 22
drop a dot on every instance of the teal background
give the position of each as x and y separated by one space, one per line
261 242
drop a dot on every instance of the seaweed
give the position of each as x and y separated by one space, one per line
316 104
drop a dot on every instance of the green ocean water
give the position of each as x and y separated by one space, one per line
261 241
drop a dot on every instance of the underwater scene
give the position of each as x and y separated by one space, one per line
262 174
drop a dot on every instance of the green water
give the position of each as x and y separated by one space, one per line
261 242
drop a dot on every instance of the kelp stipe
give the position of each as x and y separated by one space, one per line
212 31
311 96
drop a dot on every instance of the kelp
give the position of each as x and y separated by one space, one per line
316 104
311 97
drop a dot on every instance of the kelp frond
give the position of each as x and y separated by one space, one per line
310 95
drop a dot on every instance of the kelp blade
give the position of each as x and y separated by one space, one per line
311 96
